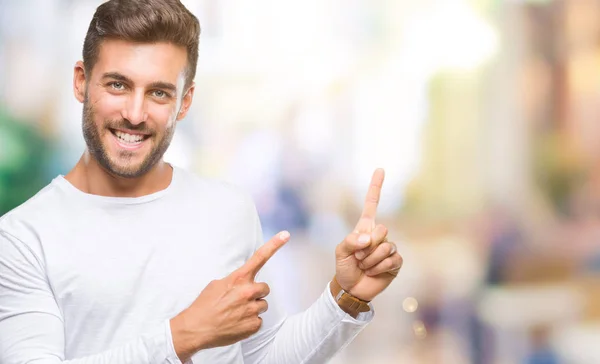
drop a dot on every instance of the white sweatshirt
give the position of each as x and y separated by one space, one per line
93 279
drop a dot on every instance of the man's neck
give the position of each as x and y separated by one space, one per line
89 177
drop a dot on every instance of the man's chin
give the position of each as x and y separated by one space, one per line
128 170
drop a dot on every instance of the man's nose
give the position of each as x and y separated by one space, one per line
134 109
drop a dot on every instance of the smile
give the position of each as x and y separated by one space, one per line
128 141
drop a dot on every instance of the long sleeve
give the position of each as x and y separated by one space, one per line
312 336
32 327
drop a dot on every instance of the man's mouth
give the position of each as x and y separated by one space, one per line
129 139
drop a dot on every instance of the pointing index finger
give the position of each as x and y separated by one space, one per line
263 254
366 222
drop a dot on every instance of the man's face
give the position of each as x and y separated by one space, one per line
132 101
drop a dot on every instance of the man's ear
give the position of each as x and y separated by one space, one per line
79 81
186 102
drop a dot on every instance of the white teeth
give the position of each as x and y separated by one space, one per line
129 138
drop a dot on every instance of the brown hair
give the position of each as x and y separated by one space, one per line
143 21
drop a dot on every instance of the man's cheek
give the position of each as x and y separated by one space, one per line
163 116
110 105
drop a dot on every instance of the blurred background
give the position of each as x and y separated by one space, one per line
484 114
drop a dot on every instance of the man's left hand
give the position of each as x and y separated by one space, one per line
366 262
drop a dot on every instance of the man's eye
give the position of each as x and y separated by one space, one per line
160 94
117 85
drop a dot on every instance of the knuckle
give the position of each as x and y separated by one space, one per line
250 310
236 276
373 197
247 292
399 260
261 290
263 306
266 290
389 264
351 239
384 230
213 284
256 324
387 249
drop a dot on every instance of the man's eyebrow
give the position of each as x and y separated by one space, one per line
157 84
163 85
117 76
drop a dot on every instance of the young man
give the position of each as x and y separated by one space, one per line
127 259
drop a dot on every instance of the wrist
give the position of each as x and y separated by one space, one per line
185 341
350 304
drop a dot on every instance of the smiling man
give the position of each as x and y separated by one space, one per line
129 260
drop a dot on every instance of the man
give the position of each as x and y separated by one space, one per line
128 259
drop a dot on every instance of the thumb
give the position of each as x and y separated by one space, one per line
352 243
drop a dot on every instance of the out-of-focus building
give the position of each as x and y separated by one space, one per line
484 114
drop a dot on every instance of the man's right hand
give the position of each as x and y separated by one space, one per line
227 310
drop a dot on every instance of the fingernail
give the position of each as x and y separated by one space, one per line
360 255
364 239
284 235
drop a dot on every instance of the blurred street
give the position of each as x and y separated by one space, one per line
484 113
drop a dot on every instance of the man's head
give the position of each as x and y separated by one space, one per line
136 81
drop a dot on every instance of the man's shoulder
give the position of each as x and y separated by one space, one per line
37 209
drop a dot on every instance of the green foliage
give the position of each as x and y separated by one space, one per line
24 157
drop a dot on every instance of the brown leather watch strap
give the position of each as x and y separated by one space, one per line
347 302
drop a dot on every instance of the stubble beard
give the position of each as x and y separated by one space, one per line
97 149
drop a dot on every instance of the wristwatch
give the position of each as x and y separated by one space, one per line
347 302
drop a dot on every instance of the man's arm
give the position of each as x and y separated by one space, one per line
366 263
312 336
32 330
31 325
